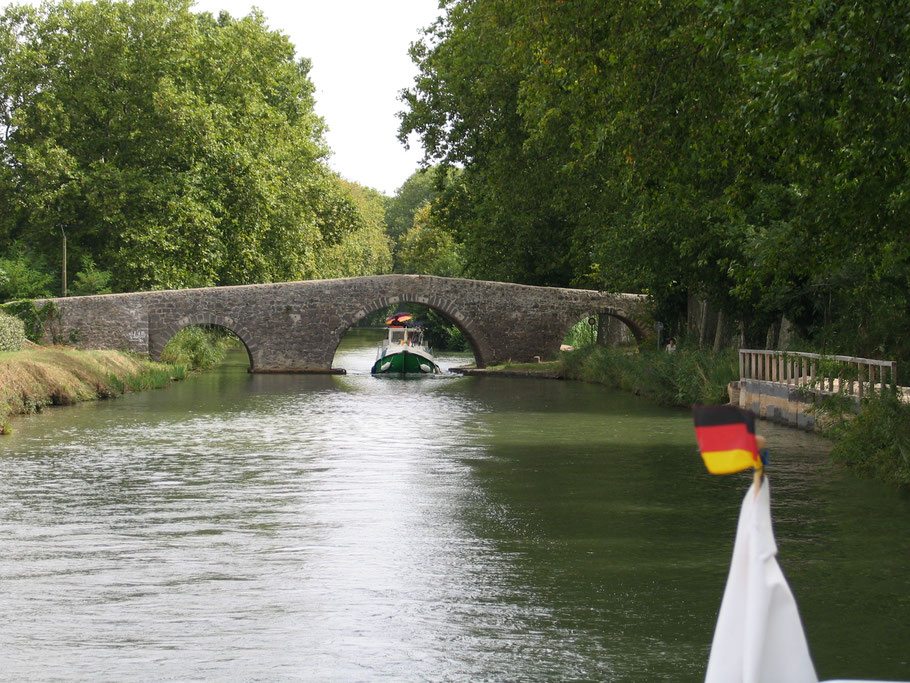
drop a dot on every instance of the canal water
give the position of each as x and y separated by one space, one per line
448 528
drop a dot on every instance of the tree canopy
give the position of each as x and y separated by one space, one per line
751 154
173 149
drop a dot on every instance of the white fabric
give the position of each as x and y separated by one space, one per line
759 637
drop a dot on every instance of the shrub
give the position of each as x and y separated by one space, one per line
90 280
23 276
12 333
875 442
34 318
197 347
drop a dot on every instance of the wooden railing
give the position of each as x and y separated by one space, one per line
834 374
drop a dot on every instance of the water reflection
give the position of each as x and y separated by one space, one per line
351 528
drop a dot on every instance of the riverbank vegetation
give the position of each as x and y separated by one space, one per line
684 378
12 333
36 377
199 347
875 441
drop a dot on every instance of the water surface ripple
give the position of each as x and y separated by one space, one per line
353 528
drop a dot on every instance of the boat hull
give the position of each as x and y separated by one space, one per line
405 362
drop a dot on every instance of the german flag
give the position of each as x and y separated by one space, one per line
726 438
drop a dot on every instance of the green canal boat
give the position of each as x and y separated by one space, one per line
404 353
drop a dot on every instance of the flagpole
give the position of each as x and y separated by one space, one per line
759 471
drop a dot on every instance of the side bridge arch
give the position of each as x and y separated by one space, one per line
163 326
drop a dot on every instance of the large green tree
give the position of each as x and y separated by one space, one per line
175 149
417 191
824 190
465 105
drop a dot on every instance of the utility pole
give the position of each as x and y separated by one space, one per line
64 260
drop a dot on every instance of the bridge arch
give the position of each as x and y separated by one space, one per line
634 328
476 339
167 330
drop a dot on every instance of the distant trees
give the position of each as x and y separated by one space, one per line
173 149
365 248
424 243
749 155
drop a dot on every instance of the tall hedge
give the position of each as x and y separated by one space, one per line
12 333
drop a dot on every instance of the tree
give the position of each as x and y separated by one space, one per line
503 208
90 280
826 194
416 192
428 248
174 149
364 249
23 275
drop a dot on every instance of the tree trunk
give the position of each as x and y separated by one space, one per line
719 333
785 336
771 339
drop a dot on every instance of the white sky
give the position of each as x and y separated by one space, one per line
359 51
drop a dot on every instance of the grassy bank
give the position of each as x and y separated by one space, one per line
683 378
41 376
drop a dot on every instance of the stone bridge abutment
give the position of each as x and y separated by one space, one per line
297 326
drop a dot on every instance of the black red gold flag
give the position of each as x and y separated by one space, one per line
726 438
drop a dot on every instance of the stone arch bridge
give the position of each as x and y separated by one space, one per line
297 326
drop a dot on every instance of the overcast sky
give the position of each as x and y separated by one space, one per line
359 50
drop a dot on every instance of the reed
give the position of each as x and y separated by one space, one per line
37 377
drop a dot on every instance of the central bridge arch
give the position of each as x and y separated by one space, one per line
448 311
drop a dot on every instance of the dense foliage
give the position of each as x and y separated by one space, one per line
34 318
171 149
198 347
751 154
364 249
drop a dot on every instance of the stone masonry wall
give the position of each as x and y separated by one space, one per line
776 402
